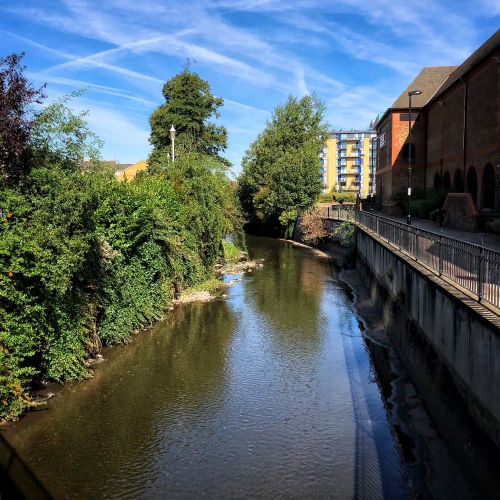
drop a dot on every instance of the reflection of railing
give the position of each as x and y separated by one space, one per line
473 267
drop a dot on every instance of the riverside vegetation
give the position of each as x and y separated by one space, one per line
86 260
281 175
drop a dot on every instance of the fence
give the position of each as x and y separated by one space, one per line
473 267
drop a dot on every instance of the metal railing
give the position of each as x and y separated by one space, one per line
339 212
473 267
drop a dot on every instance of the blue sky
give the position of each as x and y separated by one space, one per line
355 55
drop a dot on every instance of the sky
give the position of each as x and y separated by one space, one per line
357 56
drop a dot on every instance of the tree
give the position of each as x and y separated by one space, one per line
59 135
189 105
282 170
17 97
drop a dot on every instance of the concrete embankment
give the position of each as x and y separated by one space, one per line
448 342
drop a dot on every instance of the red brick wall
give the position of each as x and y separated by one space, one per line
445 127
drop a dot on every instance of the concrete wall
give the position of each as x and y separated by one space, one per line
459 337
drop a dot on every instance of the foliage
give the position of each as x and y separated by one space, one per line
325 198
17 96
231 251
312 227
493 226
281 170
211 285
60 135
346 231
189 105
86 260
343 197
337 197
423 202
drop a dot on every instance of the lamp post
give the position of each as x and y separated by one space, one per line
172 138
372 171
410 148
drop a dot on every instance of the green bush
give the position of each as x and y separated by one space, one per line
422 203
231 251
85 260
325 198
343 197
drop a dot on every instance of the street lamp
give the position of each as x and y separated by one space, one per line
372 171
410 148
172 138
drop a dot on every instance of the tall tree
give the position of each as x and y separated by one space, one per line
282 170
189 105
17 97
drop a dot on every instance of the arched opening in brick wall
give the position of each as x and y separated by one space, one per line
472 184
437 182
488 185
458 184
447 180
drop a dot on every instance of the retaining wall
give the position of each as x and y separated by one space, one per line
446 339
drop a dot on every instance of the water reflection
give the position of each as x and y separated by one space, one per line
100 435
269 393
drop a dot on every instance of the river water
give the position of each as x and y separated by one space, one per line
270 392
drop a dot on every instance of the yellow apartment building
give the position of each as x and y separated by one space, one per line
349 162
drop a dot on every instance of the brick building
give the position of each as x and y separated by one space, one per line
455 132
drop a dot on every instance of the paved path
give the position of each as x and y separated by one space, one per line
487 240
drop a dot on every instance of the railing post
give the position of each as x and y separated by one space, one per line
416 244
440 264
328 208
480 277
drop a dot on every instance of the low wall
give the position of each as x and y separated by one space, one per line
447 341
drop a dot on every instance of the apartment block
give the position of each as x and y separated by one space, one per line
349 162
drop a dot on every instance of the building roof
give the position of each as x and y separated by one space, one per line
112 165
429 80
130 171
477 56
351 131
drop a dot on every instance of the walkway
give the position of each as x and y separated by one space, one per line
487 240
469 260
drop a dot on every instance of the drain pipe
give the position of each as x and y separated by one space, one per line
464 133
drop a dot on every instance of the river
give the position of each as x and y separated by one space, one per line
269 392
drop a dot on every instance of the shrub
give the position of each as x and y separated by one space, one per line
422 203
343 197
312 228
231 251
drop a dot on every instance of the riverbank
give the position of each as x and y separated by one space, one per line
216 287
414 430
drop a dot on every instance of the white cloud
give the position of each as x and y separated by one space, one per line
286 47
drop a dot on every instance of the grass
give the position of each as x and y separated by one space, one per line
231 251
211 285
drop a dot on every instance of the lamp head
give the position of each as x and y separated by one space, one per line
414 92
172 132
